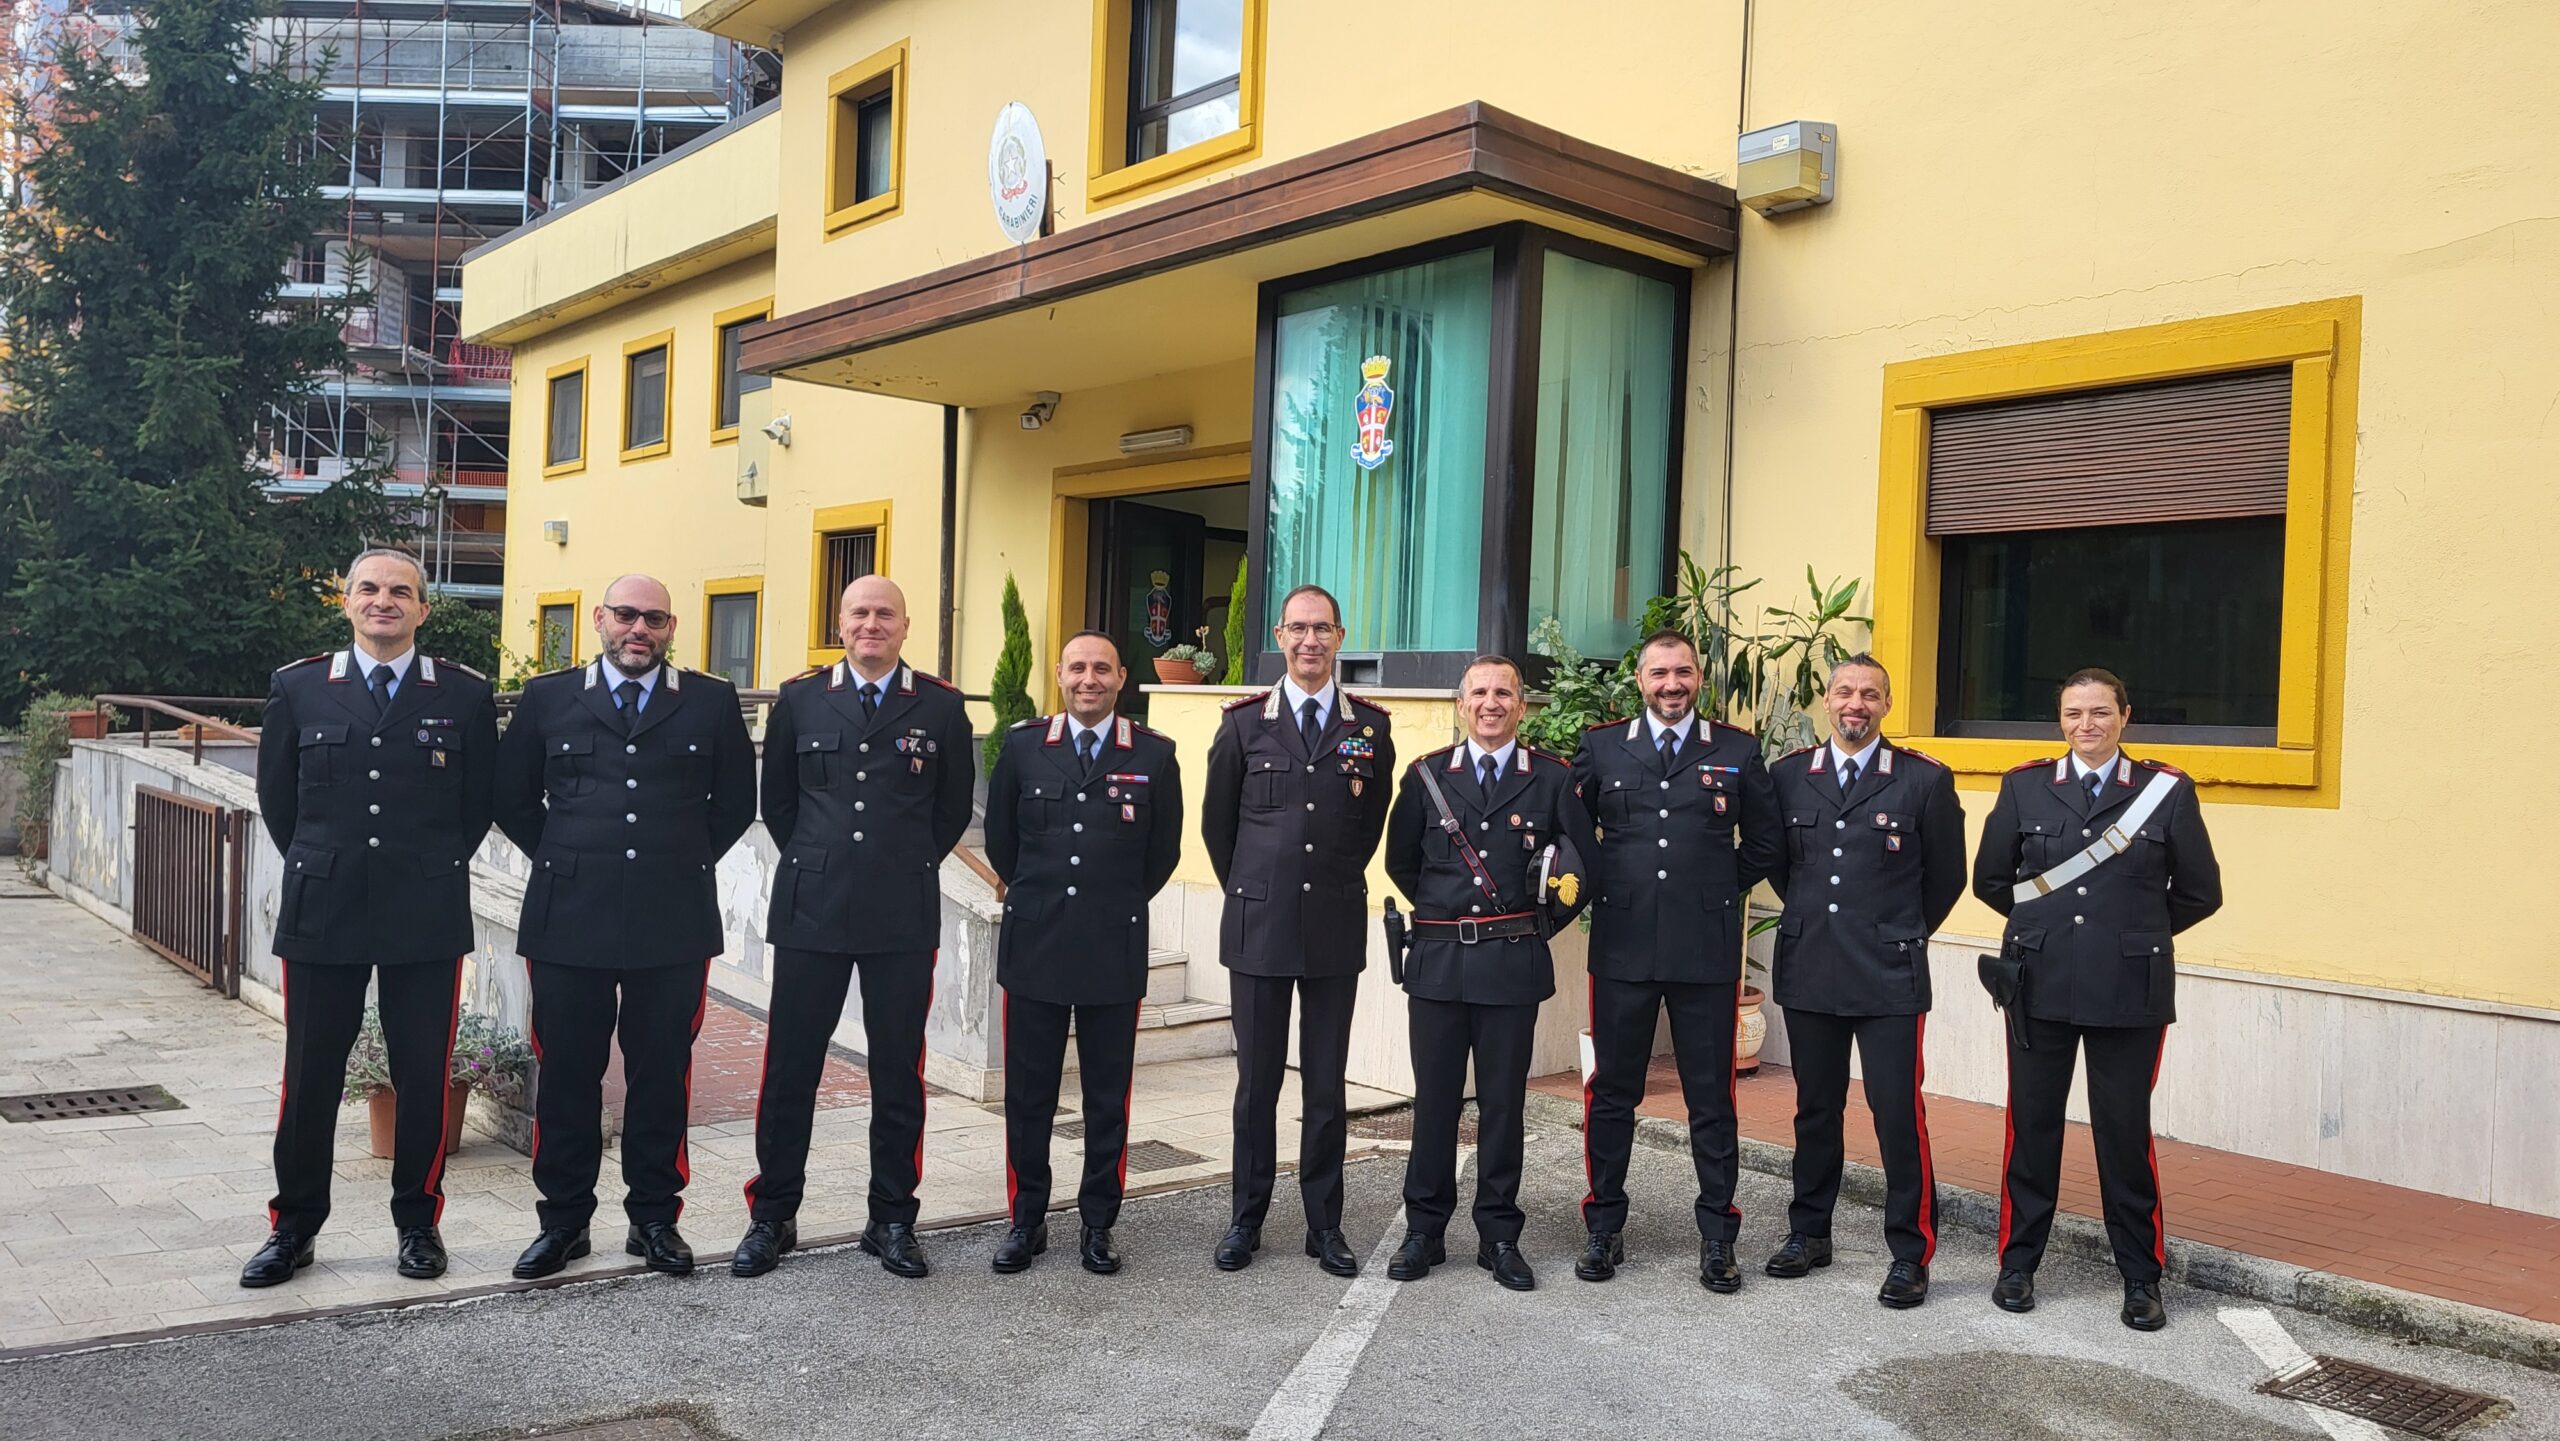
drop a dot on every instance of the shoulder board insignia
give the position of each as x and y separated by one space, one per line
1240 702
1547 755
1028 724
2160 766
1142 728
810 673
2030 765
564 670
1435 755
1922 756
306 660
937 680
457 665
1366 703
1598 726
1799 750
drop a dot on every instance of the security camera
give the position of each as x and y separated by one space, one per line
778 430
1043 406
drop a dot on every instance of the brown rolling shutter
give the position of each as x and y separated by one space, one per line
2209 448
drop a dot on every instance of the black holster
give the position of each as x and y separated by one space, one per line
2005 977
1398 938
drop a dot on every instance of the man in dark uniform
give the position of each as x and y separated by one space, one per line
1299 781
2097 859
1688 825
624 781
1084 824
868 767
1873 864
374 767
1478 964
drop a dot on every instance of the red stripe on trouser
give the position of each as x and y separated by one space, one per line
1004 1048
764 1078
930 967
1129 1102
2009 1138
284 1084
533 1036
435 1168
2151 1148
1591 1019
684 1120
1733 1082
1920 1119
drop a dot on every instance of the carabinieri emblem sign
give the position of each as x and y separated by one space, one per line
1374 406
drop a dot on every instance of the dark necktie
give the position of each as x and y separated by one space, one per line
380 684
1308 730
1848 774
1088 745
870 700
627 696
1670 749
2097 784
1484 776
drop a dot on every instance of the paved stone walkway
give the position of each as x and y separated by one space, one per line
2464 1251
131 1224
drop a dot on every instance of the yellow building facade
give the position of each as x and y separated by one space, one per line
2287 252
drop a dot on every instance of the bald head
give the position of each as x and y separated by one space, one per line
643 591
871 620
636 623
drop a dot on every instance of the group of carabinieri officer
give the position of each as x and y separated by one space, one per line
625 780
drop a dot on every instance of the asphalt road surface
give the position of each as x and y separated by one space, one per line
830 1346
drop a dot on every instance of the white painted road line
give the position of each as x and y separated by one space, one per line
2259 1330
1299 1409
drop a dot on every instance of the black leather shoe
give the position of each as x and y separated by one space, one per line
2142 1308
285 1253
1508 1266
660 1248
1716 1269
1602 1258
1236 1248
1332 1252
421 1253
1415 1258
550 1251
1014 1252
2015 1291
1799 1256
761 1249
1093 1250
894 1242
1906 1284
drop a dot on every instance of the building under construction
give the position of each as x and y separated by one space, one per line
445 125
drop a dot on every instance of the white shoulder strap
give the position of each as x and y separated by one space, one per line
2118 838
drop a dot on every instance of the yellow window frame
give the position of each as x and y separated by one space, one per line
663 340
545 600
2322 341
735 585
885 72
1110 177
550 395
720 323
829 520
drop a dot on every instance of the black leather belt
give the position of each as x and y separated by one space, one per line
1467 930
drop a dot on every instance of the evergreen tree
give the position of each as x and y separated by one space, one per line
144 341
1010 692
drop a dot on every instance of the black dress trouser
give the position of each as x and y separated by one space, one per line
1889 1050
1703 1019
1444 1034
2124 1064
323 1012
1035 1058
1259 1011
578 1013
809 990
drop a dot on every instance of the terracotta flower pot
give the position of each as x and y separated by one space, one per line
1750 1029
457 1099
86 725
383 1115
1176 672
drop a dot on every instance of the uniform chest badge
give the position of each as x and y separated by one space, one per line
436 759
1722 800
1357 747
1882 819
1893 842
1128 812
1355 787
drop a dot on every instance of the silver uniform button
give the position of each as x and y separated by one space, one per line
2079 920
1666 815
866 775
857 835
377 810
857 805
1079 795
1835 850
631 818
1839 825
631 855
865 746
1075 860
297 865
1306 885
1071 890
632 784
1664 843
1079 828
2084 890
1311 848
564 745
1662 875
377 740
373 840
1311 805
1484 825
1311 770
1835 905
373 775
1666 785
2084 830
1835 880
631 750
1475 910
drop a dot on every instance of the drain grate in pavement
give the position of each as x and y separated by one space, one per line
1157 1156
2409 1403
1072 1130
1396 1124
87 1105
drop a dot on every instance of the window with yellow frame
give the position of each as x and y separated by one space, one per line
866 140
728 337
1177 89
1969 622
648 392
555 630
846 542
733 628
564 418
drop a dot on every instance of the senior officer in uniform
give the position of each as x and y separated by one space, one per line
1478 964
374 767
1084 824
1874 861
1299 781
868 767
624 780
1688 825
2097 859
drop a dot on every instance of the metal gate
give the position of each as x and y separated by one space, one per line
189 860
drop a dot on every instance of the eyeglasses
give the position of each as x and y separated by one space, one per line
1309 630
628 615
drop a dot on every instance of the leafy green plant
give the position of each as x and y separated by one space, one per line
1203 662
1009 692
1235 627
491 1059
455 630
369 1059
45 737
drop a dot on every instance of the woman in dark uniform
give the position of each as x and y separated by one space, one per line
2097 859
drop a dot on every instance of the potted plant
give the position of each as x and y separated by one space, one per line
369 1080
487 1058
1187 664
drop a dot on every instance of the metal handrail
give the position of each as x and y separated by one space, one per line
149 705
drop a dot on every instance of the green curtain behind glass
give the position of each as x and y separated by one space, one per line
1604 451
1401 545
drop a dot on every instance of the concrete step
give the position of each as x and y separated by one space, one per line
1168 977
1182 1030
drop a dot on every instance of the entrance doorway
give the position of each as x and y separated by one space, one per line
1162 566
